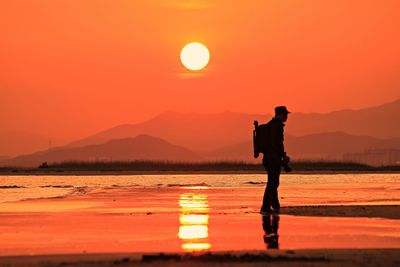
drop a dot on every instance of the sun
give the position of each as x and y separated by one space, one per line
195 56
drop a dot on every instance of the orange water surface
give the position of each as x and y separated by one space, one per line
177 219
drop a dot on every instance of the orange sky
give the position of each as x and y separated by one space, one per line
71 68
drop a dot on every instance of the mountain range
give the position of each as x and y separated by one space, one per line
141 147
204 132
327 146
180 136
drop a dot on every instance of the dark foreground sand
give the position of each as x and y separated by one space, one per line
370 211
321 257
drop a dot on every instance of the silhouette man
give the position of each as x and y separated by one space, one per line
274 157
270 224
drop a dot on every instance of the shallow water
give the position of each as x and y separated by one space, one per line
177 213
176 219
296 189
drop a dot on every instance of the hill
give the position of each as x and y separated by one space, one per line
322 146
327 146
203 132
141 147
195 131
380 122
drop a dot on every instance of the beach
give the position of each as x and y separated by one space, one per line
326 220
321 257
199 133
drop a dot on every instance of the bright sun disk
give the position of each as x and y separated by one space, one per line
195 56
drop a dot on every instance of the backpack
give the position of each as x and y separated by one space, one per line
260 138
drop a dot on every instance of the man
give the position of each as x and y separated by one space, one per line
273 158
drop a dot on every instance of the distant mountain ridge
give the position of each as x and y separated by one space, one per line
203 132
327 146
141 147
195 131
380 121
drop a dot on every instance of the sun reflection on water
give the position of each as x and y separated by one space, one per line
193 229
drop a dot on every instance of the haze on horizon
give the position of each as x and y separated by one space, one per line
72 68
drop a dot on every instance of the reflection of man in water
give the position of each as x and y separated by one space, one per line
273 158
270 226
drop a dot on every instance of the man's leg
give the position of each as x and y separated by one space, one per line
275 200
266 199
273 168
275 173
267 193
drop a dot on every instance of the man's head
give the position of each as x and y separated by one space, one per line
281 113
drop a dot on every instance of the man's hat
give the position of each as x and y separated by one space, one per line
281 109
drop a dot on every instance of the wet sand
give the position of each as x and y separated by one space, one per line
131 226
378 211
321 257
